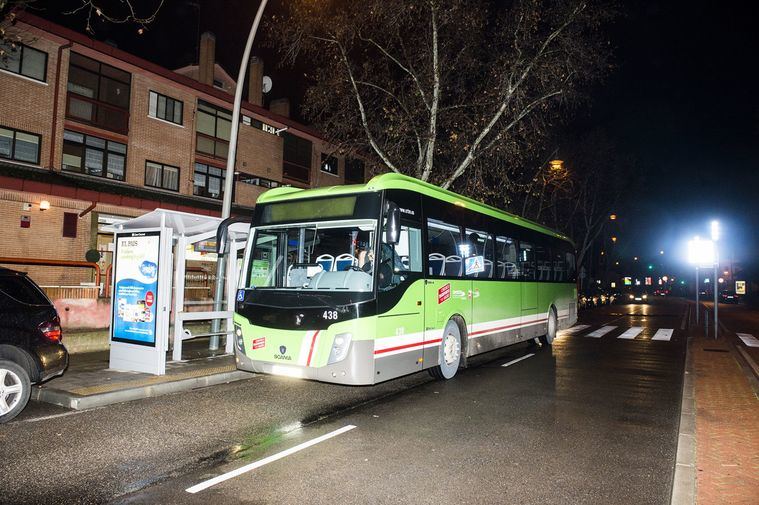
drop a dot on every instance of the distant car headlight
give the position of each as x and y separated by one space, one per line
645 296
632 297
340 346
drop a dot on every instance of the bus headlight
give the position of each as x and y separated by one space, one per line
238 339
340 346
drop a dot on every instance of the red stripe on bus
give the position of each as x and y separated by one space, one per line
311 350
406 346
499 328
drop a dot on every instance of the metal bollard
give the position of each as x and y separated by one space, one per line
706 323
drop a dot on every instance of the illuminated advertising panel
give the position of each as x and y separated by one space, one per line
135 290
740 287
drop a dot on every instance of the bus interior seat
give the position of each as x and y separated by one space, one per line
327 261
437 262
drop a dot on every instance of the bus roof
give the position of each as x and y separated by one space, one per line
399 181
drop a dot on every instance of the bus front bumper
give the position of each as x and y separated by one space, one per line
356 369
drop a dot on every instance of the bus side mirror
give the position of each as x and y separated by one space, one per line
393 224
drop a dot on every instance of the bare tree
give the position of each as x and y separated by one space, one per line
449 92
578 197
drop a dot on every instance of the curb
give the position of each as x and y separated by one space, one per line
684 481
79 402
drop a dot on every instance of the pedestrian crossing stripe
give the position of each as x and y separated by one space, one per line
663 334
600 332
631 333
574 329
748 339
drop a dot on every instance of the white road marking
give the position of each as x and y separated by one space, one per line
663 334
257 464
44 418
631 333
574 329
518 359
748 339
600 332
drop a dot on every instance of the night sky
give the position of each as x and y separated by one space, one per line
681 101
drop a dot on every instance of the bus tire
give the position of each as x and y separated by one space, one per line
553 324
450 352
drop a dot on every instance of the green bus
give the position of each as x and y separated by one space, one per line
359 284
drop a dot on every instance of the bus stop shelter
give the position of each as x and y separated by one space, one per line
149 275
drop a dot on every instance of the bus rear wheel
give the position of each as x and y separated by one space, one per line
553 325
450 353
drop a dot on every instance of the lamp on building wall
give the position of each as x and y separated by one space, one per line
44 205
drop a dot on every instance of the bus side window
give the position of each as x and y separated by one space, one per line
527 261
506 258
444 248
409 249
481 253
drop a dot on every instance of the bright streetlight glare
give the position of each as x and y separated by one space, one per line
701 252
715 230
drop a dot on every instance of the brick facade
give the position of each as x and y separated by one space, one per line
30 106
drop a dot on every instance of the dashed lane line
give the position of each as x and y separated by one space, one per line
631 333
663 334
600 332
519 359
275 457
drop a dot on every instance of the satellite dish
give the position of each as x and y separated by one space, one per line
267 84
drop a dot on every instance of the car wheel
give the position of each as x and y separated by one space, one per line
553 325
450 353
15 388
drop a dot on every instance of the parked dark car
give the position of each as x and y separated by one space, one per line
30 341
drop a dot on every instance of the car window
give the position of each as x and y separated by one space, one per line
22 289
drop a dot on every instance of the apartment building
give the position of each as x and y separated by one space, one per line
91 135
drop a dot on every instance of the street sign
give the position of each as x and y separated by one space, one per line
740 287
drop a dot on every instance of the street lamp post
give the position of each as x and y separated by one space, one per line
226 208
715 238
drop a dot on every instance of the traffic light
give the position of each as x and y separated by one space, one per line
650 267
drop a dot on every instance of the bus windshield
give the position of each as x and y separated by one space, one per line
326 256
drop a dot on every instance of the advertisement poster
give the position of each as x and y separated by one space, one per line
135 288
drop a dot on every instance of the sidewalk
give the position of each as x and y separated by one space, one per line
89 383
726 421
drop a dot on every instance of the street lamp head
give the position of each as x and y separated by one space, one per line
556 165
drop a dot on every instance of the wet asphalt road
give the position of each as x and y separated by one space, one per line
592 420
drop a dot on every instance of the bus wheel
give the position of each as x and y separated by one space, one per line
550 335
450 353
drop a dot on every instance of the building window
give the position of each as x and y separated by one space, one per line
158 175
213 127
354 171
19 146
208 181
98 94
296 158
254 180
329 164
23 60
166 108
69 224
93 156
